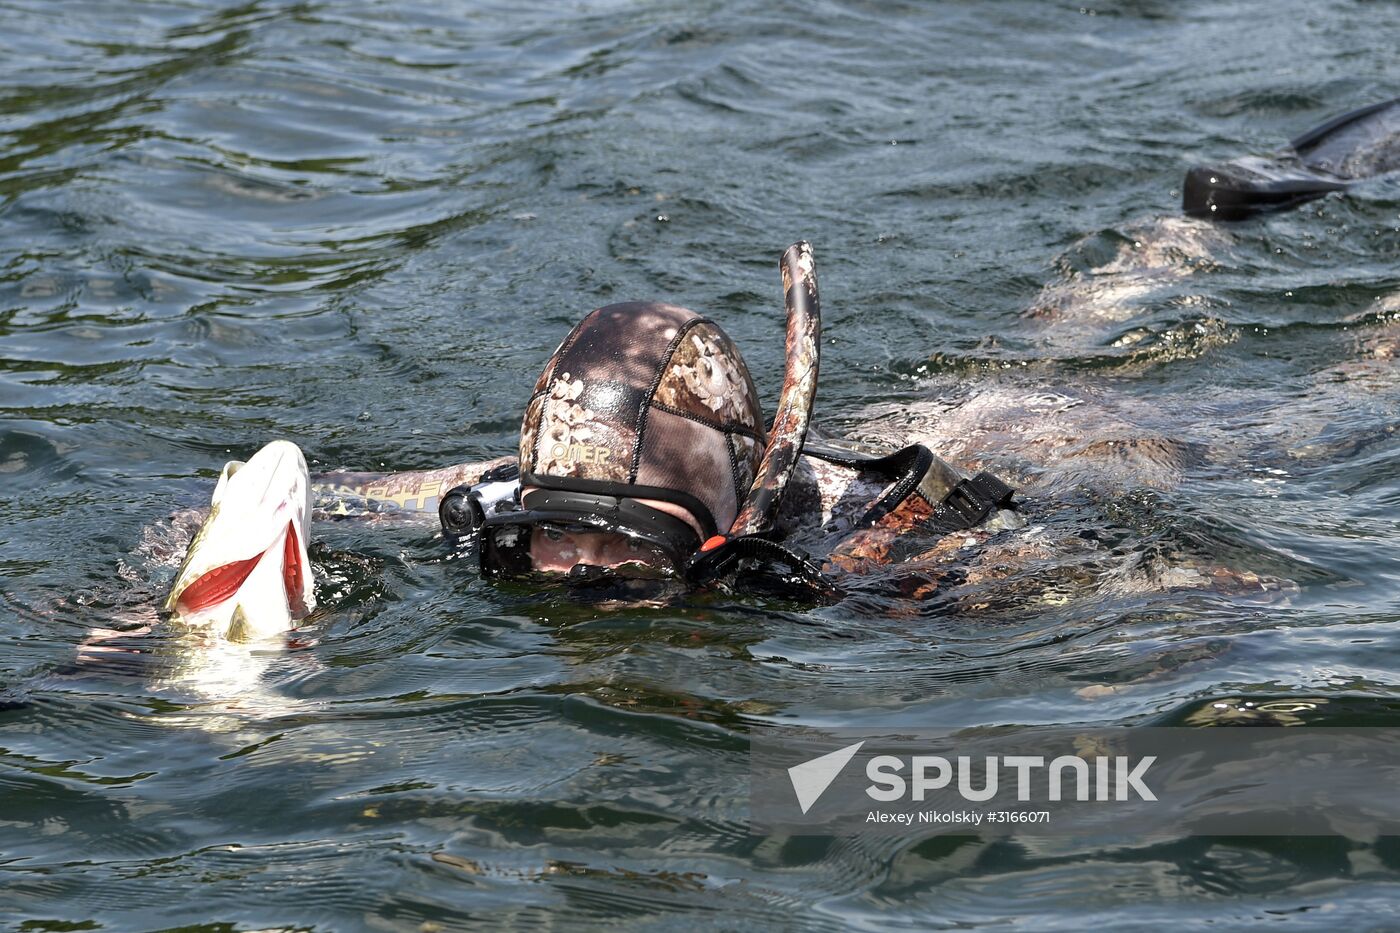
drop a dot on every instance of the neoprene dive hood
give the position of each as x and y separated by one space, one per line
645 423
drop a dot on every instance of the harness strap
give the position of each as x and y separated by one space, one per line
965 506
885 464
905 468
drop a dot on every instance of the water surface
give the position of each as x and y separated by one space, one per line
364 226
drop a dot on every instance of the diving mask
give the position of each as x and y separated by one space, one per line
551 531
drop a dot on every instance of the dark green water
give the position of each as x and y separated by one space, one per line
364 226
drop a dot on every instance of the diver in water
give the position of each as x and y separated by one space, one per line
643 455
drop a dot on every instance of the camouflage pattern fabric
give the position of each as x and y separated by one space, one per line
649 394
794 414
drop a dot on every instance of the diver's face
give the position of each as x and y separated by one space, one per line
557 550
553 550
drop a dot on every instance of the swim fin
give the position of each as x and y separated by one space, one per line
1346 149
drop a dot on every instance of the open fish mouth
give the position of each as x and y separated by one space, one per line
246 574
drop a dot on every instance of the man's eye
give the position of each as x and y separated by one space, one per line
554 534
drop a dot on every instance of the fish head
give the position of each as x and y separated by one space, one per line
246 574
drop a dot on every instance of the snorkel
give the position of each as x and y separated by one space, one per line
751 533
794 414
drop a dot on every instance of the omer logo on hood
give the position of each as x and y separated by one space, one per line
579 453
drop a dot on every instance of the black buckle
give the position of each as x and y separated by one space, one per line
969 503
